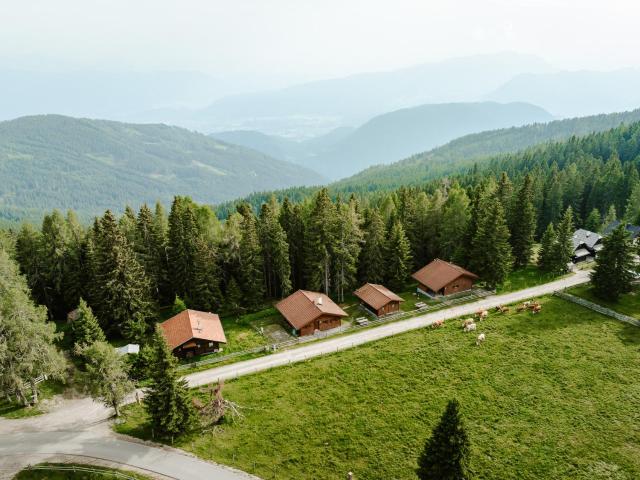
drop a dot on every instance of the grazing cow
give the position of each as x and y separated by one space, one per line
482 314
536 308
437 324
470 328
502 309
521 308
527 303
468 321
480 339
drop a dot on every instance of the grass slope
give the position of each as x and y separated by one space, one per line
627 304
546 397
51 161
59 471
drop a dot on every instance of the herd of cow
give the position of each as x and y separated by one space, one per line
470 324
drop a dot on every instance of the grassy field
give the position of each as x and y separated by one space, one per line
627 304
522 278
550 396
54 473
46 390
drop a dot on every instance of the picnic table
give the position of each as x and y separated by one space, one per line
362 321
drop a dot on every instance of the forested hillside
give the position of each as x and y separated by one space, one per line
91 165
485 218
470 149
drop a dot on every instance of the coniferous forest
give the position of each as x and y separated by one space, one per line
485 218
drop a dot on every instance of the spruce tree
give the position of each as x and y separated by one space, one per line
548 250
75 276
85 329
564 245
372 257
593 221
167 400
54 251
446 453
251 262
205 292
320 241
613 273
275 251
609 218
123 300
347 249
292 221
178 306
233 297
127 224
455 221
398 257
491 257
523 225
150 246
632 209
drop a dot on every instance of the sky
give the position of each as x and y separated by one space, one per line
298 40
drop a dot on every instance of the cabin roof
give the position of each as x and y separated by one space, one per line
190 324
440 273
303 307
377 296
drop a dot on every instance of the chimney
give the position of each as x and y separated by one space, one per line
319 301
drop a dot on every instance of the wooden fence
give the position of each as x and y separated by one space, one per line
597 308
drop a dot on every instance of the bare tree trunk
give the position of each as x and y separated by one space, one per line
34 389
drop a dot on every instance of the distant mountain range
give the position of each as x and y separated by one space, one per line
53 161
465 151
390 137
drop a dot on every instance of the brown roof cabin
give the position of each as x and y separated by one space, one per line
192 333
443 278
378 299
307 312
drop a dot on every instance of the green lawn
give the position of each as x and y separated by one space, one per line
55 473
548 396
46 390
522 278
627 304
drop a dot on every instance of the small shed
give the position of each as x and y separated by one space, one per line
441 278
192 332
308 312
378 299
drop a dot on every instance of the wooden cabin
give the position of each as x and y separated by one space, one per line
378 299
441 278
308 312
192 333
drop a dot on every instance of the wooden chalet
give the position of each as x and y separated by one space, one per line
308 312
443 278
378 299
192 333
586 245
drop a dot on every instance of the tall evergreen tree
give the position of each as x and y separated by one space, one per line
54 251
613 273
446 453
75 277
123 301
251 261
150 246
182 236
167 400
491 258
593 221
128 224
610 217
85 328
523 224
30 258
320 237
347 249
455 221
564 245
292 221
548 249
398 257
275 251
372 257
205 292
632 209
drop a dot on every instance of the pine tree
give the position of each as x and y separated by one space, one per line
167 400
123 301
593 221
446 453
398 257
504 193
320 237
455 221
75 276
372 257
29 255
233 297
85 328
182 235
150 246
523 226
613 273
251 262
275 251
292 221
347 249
632 210
54 251
205 291
491 258
564 246
548 249
609 218
127 224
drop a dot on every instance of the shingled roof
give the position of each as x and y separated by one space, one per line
376 296
190 324
439 273
302 307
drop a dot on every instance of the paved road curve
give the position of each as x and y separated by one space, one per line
369 335
168 462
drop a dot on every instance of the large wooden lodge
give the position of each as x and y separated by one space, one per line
192 333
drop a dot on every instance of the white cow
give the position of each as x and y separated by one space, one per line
468 321
480 339
470 328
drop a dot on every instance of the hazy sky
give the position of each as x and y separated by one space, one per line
304 39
